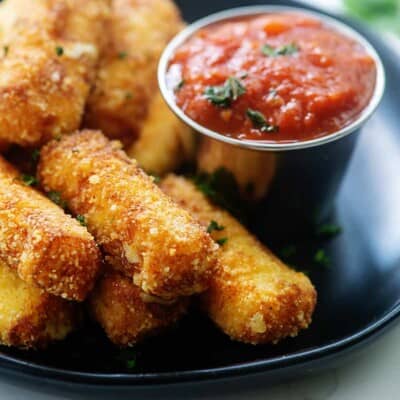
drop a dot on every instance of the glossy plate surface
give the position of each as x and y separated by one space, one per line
359 294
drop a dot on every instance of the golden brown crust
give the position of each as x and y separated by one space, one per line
45 246
126 81
253 296
143 233
125 313
42 93
165 142
30 317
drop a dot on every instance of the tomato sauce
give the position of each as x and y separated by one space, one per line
281 77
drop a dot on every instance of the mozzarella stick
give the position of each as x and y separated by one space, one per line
45 246
127 80
165 142
30 317
48 63
128 315
253 296
142 232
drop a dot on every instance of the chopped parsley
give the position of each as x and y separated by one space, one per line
222 241
224 95
214 226
156 178
180 85
59 51
29 180
35 155
129 95
81 219
259 121
321 258
285 50
122 55
56 198
6 49
328 230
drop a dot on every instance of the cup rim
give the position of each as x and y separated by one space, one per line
261 145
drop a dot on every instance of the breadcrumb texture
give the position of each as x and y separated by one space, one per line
45 246
138 31
142 232
165 142
253 297
30 317
127 314
50 49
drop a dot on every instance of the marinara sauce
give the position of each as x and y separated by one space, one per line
280 77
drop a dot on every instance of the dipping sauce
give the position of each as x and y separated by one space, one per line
281 77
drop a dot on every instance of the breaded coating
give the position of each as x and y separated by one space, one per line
127 80
142 232
45 246
254 171
127 314
30 317
48 63
165 142
253 297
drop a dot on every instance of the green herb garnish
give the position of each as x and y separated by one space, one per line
35 155
6 49
328 230
222 241
222 96
122 55
29 180
259 121
129 95
214 226
321 258
59 51
56 198
180 85
81 219
285 50
131 363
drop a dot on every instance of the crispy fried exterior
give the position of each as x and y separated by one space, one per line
45 246
253 297
127 314
42 93
126 81
144 233
165 142
30 317
251 169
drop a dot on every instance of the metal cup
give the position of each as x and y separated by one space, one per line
292 186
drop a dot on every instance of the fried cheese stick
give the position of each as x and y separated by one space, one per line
48 64
45 246
30 317
128 315
253 296
165 142
143 233
139 30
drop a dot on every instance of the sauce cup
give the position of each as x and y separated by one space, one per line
292 185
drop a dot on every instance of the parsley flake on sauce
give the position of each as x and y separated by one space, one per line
29 180
221 241
59 51
122 55
180 85
224 95
81 219
214 226
56 198
259 121
285 50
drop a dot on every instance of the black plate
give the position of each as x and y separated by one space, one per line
358 294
